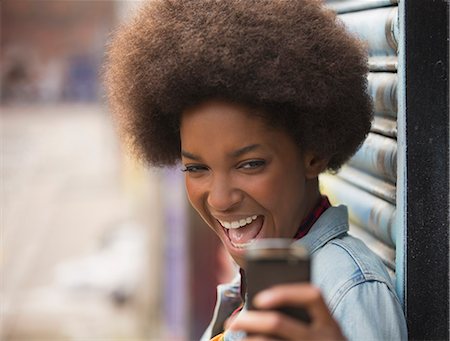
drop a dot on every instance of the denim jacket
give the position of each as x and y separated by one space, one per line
352 279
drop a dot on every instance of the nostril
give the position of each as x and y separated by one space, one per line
222 195
224 201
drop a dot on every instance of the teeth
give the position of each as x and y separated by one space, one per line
244 245
237 224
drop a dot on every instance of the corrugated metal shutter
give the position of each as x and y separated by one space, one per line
367 183
403 212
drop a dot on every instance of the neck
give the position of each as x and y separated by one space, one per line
312 193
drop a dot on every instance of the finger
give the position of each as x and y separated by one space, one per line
260 338
304 295
270 323
229 321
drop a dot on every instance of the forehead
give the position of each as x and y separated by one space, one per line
219 117
217 125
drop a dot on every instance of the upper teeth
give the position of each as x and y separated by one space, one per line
238 223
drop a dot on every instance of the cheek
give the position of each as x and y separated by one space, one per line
269 191
282 196
193 191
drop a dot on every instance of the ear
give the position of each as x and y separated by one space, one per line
314 165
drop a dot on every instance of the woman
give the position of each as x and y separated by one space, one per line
255 99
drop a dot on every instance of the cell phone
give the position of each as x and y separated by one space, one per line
276 261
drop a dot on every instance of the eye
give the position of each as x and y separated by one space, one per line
252 164
194 168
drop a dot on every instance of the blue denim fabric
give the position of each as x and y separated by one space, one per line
353 281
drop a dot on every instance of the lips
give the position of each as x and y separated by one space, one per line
243 231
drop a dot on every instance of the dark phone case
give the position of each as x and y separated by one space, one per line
265 273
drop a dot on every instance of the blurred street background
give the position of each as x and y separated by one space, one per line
93 246
75 254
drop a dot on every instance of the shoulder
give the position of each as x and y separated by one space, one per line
371 311
358 290
344 263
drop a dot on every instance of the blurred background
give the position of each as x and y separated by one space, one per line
94 246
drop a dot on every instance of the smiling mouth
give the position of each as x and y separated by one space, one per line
243 232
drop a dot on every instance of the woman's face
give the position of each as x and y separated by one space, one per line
246 179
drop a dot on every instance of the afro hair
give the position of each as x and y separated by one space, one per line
292 60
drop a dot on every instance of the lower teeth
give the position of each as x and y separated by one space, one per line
242 246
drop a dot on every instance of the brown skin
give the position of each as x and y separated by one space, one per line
271 325
226 180
270 177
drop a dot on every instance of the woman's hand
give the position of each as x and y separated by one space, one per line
268 324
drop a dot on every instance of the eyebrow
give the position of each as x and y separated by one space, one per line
190 155
237 153
244 150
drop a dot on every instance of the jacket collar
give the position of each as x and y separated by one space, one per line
331 224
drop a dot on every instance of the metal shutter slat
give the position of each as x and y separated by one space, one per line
383 90
377 156
375 215
384 126
368 183
379 28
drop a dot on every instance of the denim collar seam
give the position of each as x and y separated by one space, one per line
353 254
328 236
331 224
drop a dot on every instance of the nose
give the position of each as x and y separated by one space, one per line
223 195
